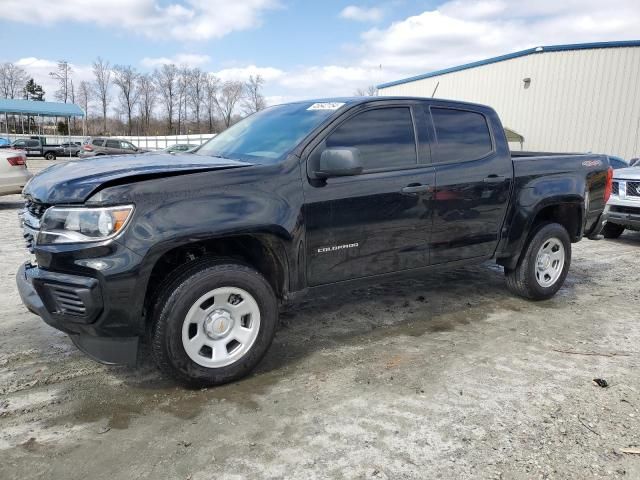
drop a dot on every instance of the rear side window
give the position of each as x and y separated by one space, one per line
384 138
98 143
113 144
460 134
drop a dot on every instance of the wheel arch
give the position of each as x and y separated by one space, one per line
567 211
263 252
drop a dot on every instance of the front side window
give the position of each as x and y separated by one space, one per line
113 144
33 143
127 146
384 138
460 135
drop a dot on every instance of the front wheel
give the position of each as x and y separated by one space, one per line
544 264
612 230
213 323
50 156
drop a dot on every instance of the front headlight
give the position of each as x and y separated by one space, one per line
82 224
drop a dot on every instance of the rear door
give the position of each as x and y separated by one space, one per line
113 147
474 173
379 221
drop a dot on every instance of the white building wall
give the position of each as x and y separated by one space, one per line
578 101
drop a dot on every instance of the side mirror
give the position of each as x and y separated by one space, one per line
339 162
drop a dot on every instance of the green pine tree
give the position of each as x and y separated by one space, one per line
33 91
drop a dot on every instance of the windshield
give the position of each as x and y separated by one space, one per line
267 136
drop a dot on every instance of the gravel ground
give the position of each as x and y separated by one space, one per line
448 376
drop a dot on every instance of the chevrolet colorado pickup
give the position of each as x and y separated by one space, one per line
196 252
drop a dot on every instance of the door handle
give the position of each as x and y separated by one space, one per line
416 188
494 179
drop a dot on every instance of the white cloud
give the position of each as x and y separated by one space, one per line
190 20
459 32
189 59
242 73
454 33
362 14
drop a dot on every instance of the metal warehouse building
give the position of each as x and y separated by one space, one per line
561 98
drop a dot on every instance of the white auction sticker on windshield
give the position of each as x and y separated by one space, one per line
326 106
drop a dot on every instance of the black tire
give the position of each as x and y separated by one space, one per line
522 280
180 293
612 230
50 156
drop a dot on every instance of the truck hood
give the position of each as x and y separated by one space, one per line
75 181
631 173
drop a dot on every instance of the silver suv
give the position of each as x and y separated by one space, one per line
94 147
623 209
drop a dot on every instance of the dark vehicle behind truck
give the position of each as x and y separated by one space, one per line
37 146
196 252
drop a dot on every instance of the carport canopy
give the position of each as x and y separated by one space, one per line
43 109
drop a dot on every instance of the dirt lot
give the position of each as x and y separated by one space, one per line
446 377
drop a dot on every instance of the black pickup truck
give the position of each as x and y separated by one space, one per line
196 252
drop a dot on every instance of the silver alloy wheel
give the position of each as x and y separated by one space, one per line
549 262
221 327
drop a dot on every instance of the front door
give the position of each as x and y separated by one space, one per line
376 222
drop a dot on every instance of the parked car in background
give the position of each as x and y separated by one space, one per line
180 148
71 149
38 147
617 162
13 171
623 208
98 146
4 142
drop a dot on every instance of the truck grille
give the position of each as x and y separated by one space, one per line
36 209
615 188
633 189
68 301
30 219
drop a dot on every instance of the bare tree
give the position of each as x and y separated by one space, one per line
147 91
183 95
253 99
227 99
370 91
63 76
102 74
84 97
166 84
12 80
125 78
196 92
211 87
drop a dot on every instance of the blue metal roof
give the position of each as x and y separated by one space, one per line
46 109
522 53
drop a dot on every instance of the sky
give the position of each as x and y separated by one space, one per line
303 49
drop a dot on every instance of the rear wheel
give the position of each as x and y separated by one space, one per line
213 323
612 230
50 156
544 264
